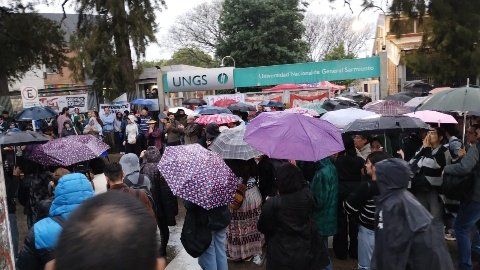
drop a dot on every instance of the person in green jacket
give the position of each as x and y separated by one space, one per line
323 179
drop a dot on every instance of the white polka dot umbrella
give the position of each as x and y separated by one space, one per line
67 151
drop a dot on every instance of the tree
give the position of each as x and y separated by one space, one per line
198 28
107 30
264 32
26 40
339 53
325 32
450 51
193 57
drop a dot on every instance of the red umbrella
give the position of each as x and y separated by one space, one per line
224 102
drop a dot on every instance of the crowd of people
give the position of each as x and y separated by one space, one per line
386 210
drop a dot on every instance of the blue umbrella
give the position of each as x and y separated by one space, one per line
142 102
212 110
36 113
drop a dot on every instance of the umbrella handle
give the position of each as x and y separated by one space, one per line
464 123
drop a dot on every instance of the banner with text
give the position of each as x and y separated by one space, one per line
224 100
297 100
114 108
70 101
312 72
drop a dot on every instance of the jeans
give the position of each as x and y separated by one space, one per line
12 218
215 257
325 242
366 244
468 215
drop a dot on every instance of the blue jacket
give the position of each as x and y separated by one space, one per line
71 191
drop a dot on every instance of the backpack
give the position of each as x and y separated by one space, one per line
457 187
140 186
196 237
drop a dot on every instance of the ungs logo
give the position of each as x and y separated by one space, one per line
222 78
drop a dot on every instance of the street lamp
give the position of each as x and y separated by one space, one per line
223 59
222 64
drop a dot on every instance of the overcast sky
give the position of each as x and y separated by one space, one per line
177 7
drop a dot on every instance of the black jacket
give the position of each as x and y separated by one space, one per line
405 237
349 169
289 228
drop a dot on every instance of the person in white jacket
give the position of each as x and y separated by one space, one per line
131 134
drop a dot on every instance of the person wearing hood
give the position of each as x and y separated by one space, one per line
70 191
165 202
193 130
181 117
131 169
406 237
212 131
287 222
131 135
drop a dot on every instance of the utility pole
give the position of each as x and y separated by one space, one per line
160 89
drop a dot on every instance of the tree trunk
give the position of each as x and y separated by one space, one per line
123 51
5 101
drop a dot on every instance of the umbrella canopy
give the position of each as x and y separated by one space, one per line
187 111
385 124
387 107
433 117
212 110
399 97
224 103
317 106
308 112
271 103
293 136
142 102
198 175
414 102
219 119
242 107
14 138
35 113
338 104
462 99
341 118
68 150
438 90
194 101
231 145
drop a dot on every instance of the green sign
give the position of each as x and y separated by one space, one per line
312 72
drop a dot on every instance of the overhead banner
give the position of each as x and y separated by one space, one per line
200 79
114 108
312 72
297 100
217 100
71 101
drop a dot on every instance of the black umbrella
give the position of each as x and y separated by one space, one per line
269 103
242 107
14 138
194 101
385 124
337 104
399 97
36 113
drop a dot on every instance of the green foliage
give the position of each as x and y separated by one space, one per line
26 40
106 30
450 49
265 32
193 57
339 53
153 63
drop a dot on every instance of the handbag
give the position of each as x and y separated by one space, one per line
238 197
196 237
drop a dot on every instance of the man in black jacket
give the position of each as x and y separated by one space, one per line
405 237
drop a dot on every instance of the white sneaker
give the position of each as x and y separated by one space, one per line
257 260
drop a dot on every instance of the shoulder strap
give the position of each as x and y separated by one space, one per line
141 179
59 220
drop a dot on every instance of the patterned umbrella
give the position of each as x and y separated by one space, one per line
219 119
304 111
198 175
230 145
68 150
387 107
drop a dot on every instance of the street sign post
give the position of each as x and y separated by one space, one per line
30 97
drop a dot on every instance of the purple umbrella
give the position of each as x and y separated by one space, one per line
68 150
293 136
198 175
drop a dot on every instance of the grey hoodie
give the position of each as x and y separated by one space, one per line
131 168
405 237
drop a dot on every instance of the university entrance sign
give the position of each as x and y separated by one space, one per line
200 79
312 72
